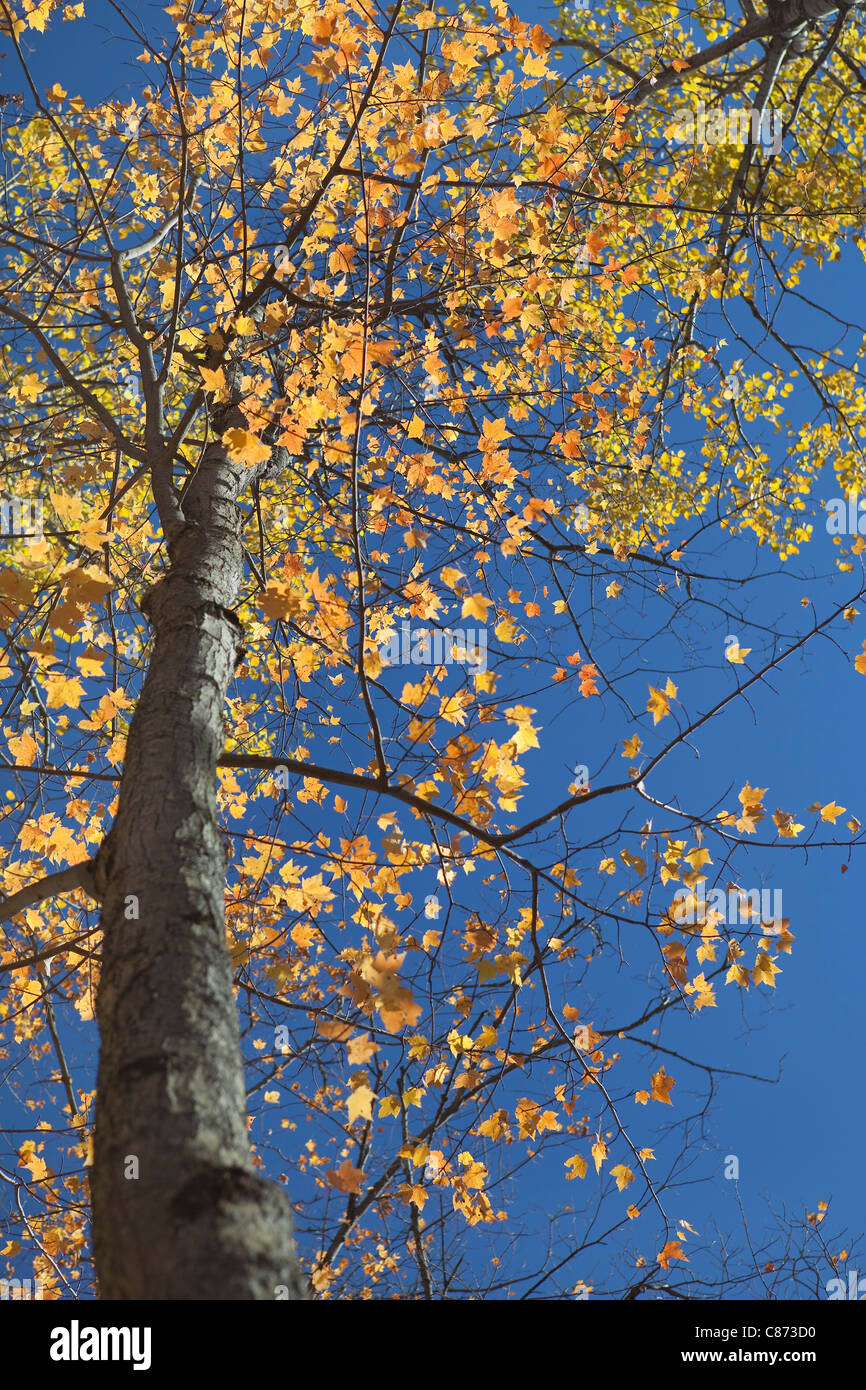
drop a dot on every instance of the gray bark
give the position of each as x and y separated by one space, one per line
197 1222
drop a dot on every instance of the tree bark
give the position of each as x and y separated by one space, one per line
178 1210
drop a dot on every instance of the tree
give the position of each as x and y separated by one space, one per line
357 341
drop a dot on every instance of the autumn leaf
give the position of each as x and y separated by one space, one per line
662 1086
360 1103
23 749
347 1178
63 691
623 1175
214 380
588 676
765 971
360 1049
737 654
245 448
659 703
476 607
672 1250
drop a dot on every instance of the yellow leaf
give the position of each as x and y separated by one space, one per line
213 380
243 447
736 654
63 690
451 576
476 606
360 1049
663 1085
704 990
578 1167
23 749
659 703
599 1153
786 825
360 1104
623 1175
765 971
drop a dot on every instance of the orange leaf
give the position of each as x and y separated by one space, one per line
662 1086
245 448
347 1178
672 1251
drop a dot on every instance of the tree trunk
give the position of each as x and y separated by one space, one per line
178 1209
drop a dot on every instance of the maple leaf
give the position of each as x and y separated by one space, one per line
360 1103
63 690
476 606
751 798
23 749
599 1153
525 737
787 826
672 1250
737 654
765 972
662 1086
244 447
335 1029
347 1178
213 380
360 1049
623 1176
588 675
704 991
659 703
577 1166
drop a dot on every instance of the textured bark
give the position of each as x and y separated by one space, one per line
197 1222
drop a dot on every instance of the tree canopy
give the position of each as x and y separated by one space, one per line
406 427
